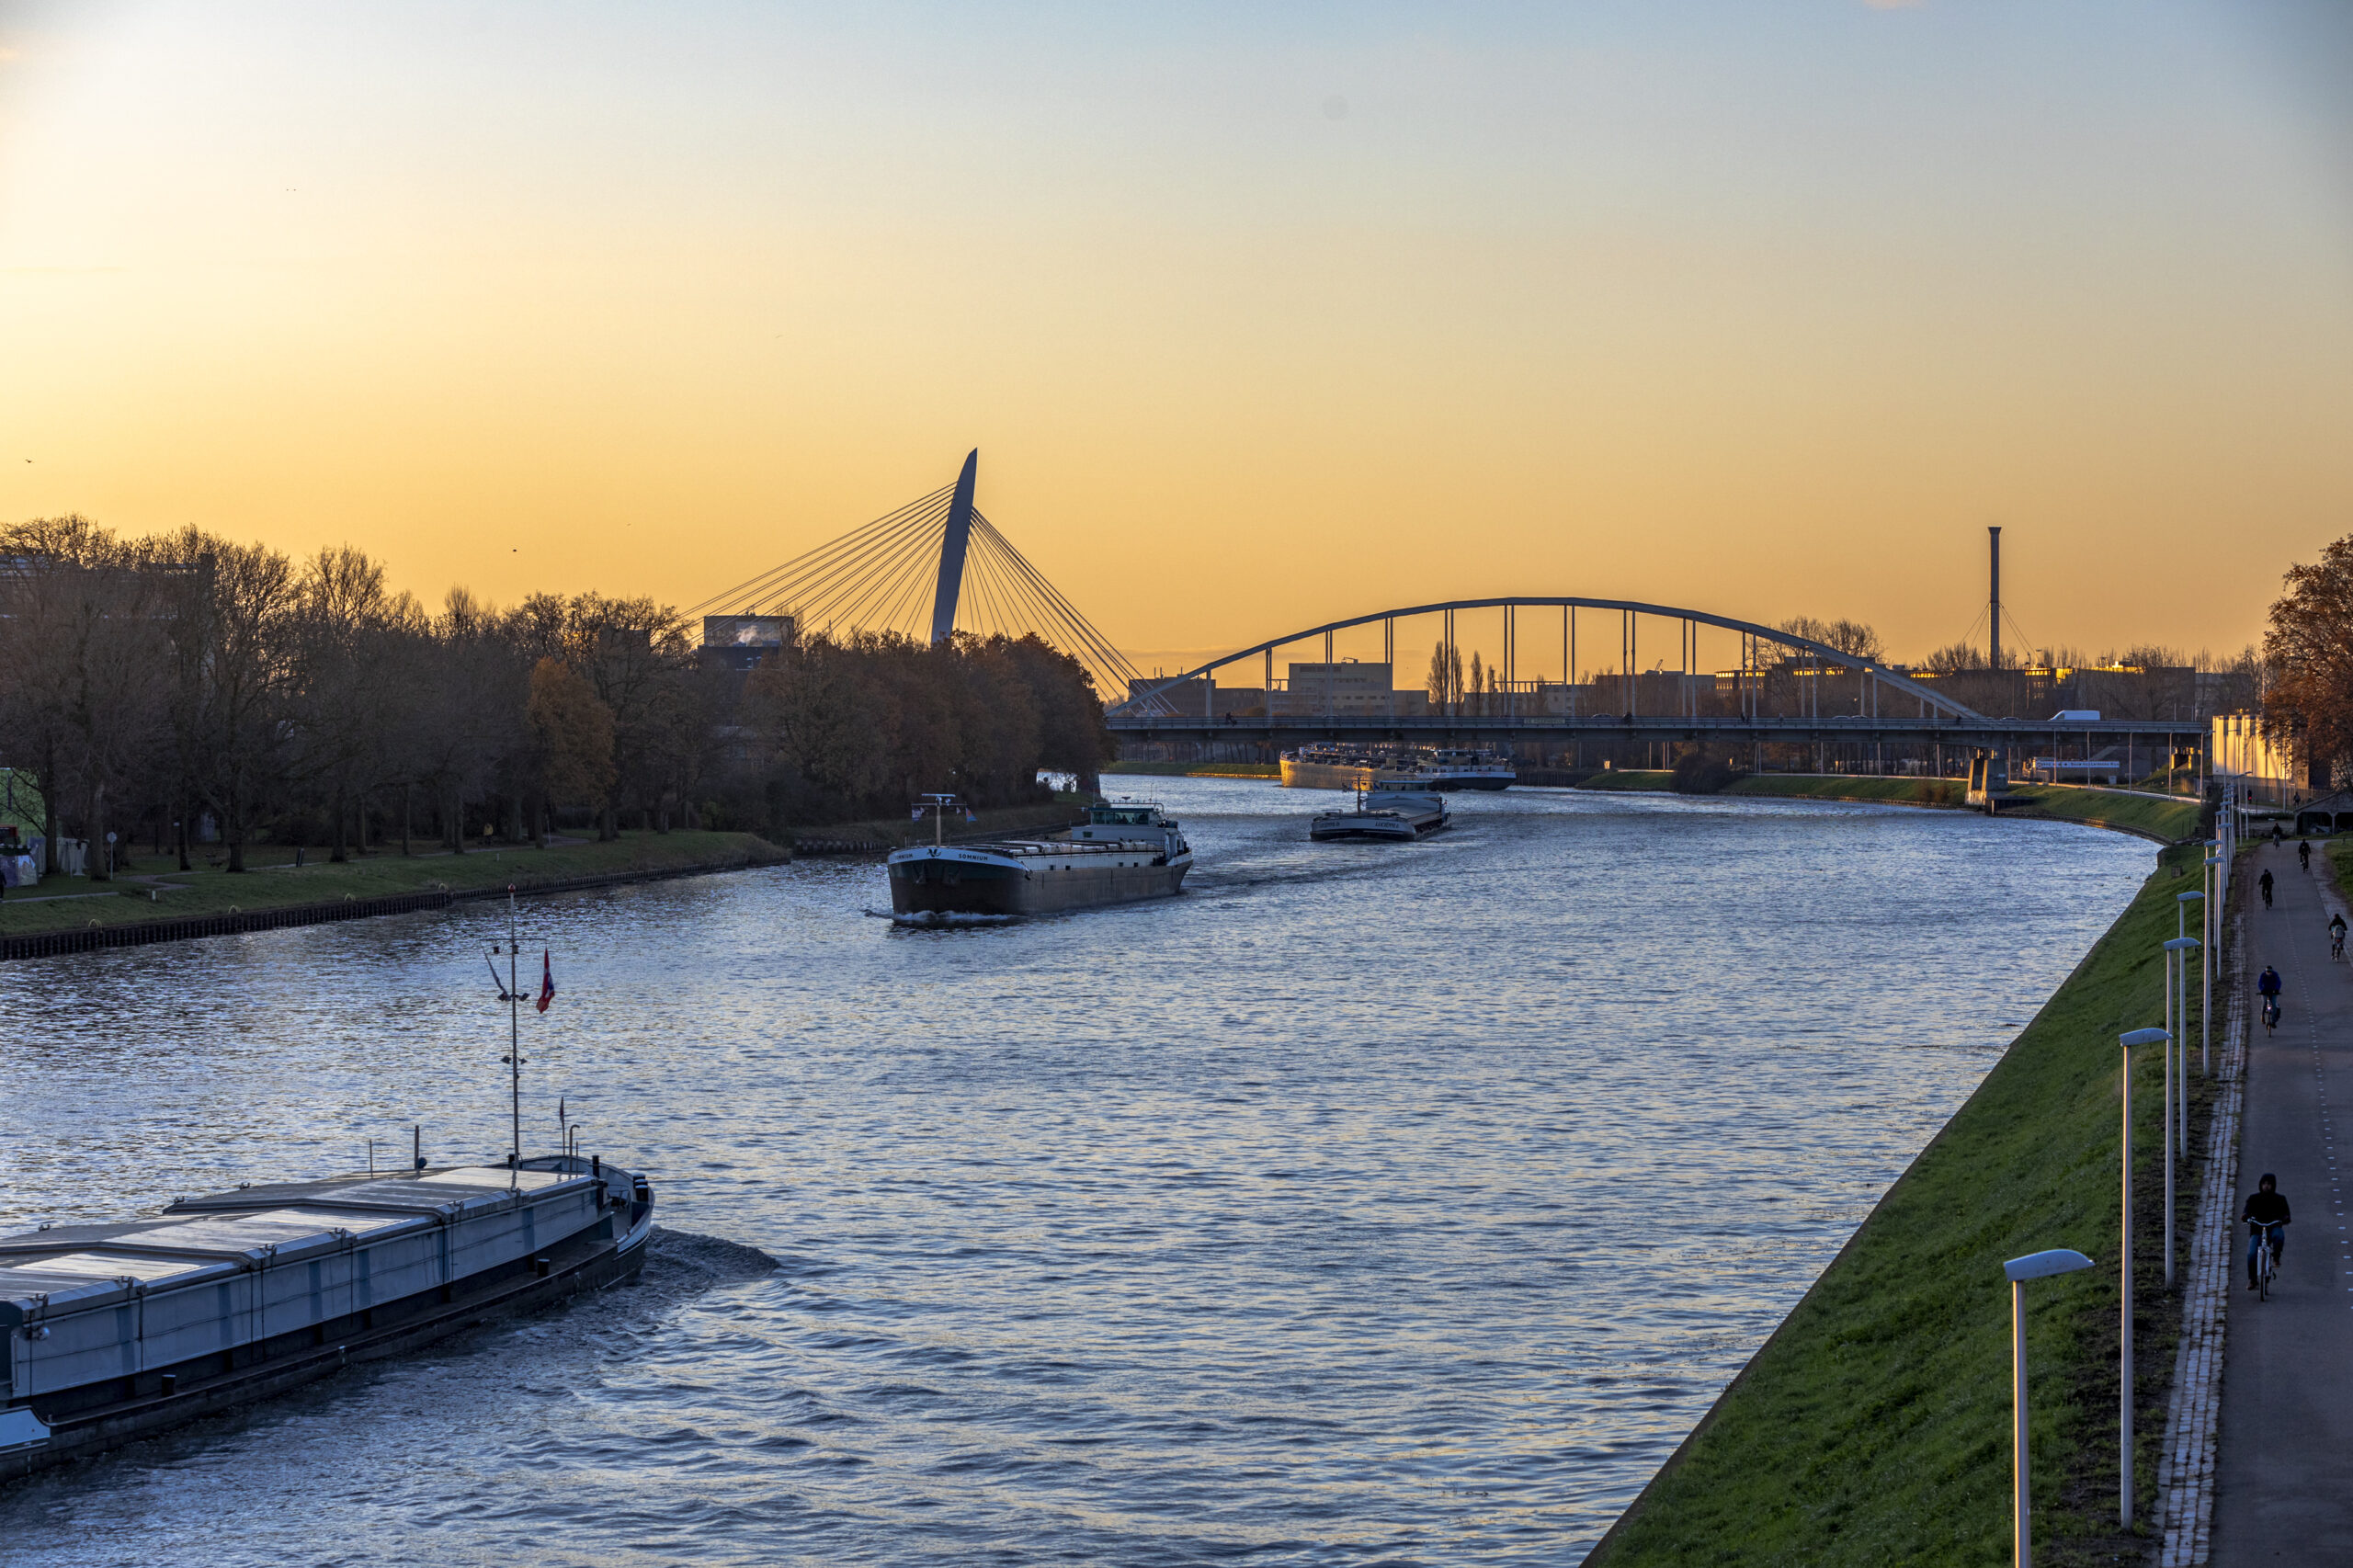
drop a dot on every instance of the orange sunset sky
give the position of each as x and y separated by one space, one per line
1259 315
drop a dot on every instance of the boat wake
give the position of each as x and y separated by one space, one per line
937 918
681 1263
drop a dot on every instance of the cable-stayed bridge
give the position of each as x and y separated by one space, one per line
938 565
933 567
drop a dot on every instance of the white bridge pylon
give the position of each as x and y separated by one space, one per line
1152 702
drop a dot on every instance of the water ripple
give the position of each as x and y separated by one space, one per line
1369 1205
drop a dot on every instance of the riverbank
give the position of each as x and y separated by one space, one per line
1874 1426
1199 769
2163 819
879 835
381 883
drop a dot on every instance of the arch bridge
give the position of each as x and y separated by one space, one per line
1778 693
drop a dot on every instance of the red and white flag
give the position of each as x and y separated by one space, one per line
547 981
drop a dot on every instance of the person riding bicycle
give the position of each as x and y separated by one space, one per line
2305 854
2264 881
2336 936
2268 1210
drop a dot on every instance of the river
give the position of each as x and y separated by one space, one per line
1379 1204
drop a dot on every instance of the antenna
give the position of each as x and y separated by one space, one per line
514 1045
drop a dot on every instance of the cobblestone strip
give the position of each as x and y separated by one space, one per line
2185 1464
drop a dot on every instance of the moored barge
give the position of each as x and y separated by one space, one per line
1333 766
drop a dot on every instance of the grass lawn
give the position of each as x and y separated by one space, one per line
1873 1427
272 881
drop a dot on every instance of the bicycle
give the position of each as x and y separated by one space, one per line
2336 946
2266 1258
2305 854
2270 1015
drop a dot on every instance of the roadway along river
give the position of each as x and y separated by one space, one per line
1369 1203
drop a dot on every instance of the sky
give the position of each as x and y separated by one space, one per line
1259 316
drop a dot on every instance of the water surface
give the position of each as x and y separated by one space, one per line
1374 1203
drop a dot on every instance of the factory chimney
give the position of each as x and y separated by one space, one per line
1993 637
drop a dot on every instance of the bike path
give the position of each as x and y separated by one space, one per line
2285 1444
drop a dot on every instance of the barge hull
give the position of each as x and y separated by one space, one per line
1326 776
1043 890
580 1265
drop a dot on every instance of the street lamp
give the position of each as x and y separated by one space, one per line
2206 963
2124 1395
2181 1016
2176 1001
2034 1266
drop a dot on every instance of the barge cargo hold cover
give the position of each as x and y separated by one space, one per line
120 1330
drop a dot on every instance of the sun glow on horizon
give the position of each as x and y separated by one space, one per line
1762 312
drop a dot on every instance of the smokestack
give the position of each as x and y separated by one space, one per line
1993 638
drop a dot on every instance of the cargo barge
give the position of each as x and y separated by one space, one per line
1390 809
118 1331
1123 852
1335 766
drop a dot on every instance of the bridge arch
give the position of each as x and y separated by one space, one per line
1150 699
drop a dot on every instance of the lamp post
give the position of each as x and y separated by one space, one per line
2124 1356
2176 974
2181 1045
2034 1266
2213 928
2182 928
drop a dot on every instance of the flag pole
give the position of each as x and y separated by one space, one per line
514 1045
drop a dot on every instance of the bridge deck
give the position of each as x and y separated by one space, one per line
2041 734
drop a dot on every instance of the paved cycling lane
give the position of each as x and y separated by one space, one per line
2286 1438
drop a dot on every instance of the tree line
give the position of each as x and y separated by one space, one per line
151 683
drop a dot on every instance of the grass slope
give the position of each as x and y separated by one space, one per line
1873 1427
2166 821
1813 787
1629 779
2169 821
273 881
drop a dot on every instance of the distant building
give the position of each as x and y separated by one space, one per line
2240 750
741 642
1348 687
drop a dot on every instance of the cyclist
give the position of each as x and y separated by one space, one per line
2268 985
2337 936
2305 854
2264 881
2268 1210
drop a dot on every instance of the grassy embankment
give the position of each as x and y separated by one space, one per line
273 881
904 829
2168 821
1200 769
1873 1427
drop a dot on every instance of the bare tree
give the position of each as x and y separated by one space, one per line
2307 653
